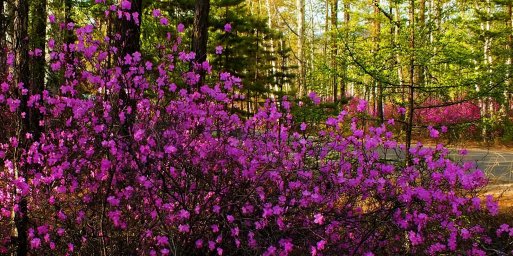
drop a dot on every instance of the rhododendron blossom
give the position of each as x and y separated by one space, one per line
228 27
150 162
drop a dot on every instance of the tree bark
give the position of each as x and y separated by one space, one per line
131 31
68 14
273 61
3 45
129 44
300 5
421 25
334 20
400 75
347 19
200 33
411 93
39 38
509 62
326 42
487 46
376 39
21 75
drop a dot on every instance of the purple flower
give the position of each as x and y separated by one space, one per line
318 219
228 27
155 13
433 133
180 28
126 5
219 49
35 243
164 21
51 18
362 105
183 228
316 99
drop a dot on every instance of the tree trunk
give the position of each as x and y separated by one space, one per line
411 93
326 42
21 75
273 61
39 38
334 20
200 33
397 19
509 63
129 44
421 26
3 45
130 31
347 19
68 17
300 5
376 41
487 63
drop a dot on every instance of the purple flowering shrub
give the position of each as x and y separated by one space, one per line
464 112
147 164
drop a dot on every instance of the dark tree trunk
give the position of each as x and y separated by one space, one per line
22 75
200 33
130 31
347 18
39 42
411 93
68 13
129 44
334 12
420 78
378 83
3 45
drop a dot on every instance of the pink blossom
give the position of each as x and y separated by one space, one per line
362 105
126 5
183 228
219 49
180 28
228 27
35 243
315 99
318 219
155 13
164 21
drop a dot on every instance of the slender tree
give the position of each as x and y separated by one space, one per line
376 41
509 59
131 31
271 43
411 91
21 77
300 6
347 26
39 39
334 49
200 32
3 45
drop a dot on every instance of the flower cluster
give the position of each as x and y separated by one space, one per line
148 164
447 115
